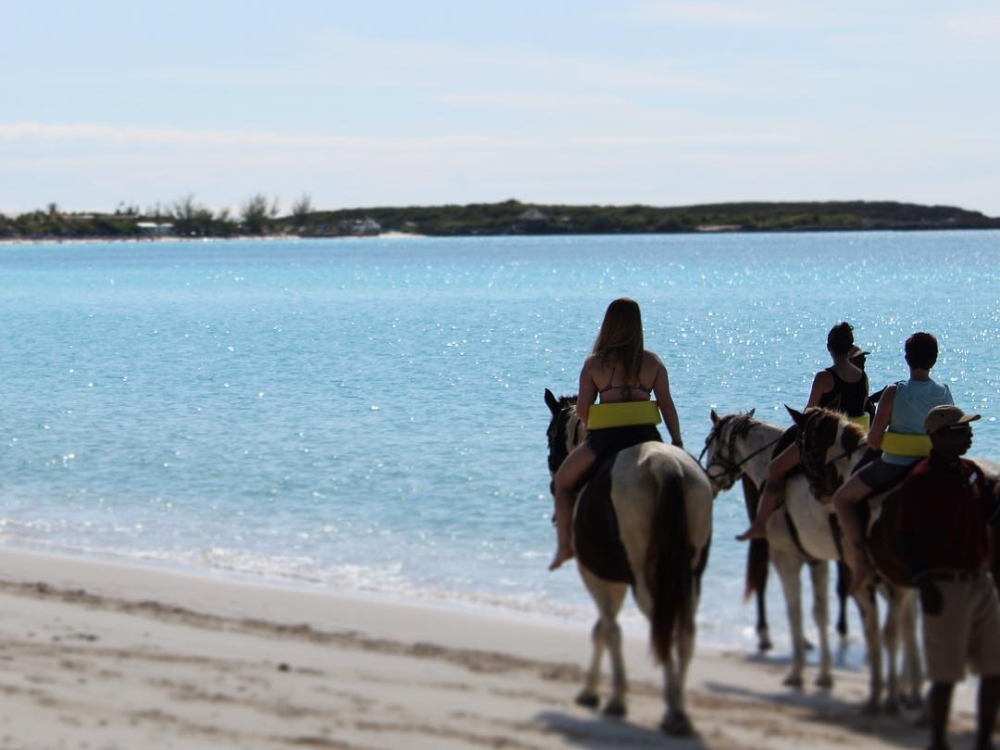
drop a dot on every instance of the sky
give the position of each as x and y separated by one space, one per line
364 103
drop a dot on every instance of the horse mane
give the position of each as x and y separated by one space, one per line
823 412
742 422
815 438
563 410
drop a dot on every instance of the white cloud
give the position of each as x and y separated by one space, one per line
734 12
976 25
114 137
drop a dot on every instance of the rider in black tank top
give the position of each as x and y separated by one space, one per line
850 398
852 395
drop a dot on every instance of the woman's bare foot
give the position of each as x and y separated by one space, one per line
564 553
754 532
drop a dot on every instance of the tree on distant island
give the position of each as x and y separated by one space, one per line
257 215
191 219
301 209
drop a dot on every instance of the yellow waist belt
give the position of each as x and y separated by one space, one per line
863 421
624 414
906 444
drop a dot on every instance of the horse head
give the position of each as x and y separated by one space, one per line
721 450
566 430
827 441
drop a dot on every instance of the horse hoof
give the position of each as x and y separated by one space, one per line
589 700
870 708
793 680
614 709
807 645
677 725
765 645
824 681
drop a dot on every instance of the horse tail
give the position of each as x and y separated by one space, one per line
669 570
759 552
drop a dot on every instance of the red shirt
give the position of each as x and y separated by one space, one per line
942 504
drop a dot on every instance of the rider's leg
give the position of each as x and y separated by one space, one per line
566 482
777 471
845 503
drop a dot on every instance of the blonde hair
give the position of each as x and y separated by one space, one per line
620 338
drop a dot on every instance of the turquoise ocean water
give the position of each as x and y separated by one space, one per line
367 415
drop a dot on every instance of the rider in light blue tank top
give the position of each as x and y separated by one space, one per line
914 398
902 409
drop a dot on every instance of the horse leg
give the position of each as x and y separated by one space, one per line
606 634
758 555
757 568
677 722
820 575
789 567
764 642
913 675
843 583
868 609
890 640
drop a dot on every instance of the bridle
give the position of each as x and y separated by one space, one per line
732 469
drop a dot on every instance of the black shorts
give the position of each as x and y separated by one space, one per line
880 475
610 440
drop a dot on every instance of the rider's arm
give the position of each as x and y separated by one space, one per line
587 393
822 384
665 403
882 416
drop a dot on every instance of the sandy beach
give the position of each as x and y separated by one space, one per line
99 655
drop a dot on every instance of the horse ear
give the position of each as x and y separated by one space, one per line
751 413
552 401
715 417
797 416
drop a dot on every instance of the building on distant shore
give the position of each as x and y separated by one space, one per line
366 227
532 215
154 229
530 221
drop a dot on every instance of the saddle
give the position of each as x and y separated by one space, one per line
884 539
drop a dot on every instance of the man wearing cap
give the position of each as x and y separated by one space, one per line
945 506
859 358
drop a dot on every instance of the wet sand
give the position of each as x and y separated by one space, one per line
99 655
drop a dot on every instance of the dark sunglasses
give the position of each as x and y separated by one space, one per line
957 428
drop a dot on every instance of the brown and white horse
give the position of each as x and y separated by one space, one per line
740 447
831 447
642 521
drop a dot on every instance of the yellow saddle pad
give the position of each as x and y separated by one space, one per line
624 414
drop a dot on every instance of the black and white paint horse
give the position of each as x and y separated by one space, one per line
642 521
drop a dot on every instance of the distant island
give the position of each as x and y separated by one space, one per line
261 217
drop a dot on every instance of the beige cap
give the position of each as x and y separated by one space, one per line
946 416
